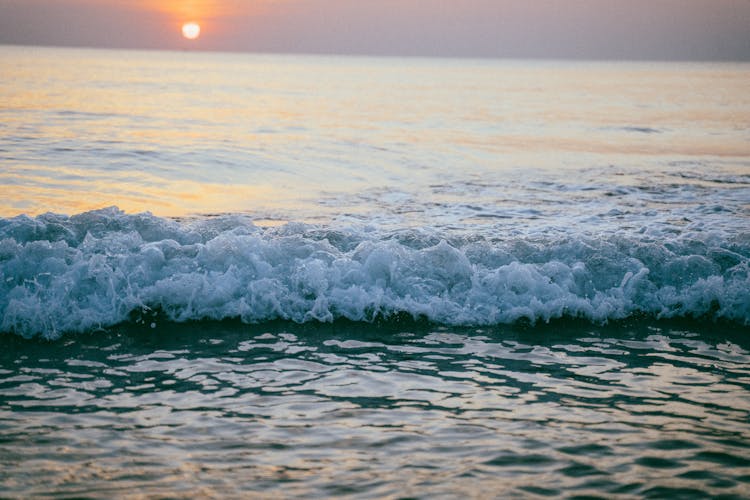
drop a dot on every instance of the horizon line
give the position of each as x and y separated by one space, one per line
537 58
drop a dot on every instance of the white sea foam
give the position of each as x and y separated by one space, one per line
74 274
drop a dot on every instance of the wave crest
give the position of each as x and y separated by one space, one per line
74 274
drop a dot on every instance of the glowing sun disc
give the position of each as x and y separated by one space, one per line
191 31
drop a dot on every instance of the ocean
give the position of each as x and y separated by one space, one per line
240 275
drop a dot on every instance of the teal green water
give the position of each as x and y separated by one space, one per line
396 409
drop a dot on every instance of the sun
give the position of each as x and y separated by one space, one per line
191 30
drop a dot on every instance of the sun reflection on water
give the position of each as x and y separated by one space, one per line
179 134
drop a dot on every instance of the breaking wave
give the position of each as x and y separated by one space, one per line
62 274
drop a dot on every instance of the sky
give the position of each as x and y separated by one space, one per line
550 29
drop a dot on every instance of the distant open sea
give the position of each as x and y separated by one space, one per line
274 276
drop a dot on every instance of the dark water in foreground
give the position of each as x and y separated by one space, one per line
397 409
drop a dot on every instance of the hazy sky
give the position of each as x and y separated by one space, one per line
595 29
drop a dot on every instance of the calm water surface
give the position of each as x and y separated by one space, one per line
403 142
631 410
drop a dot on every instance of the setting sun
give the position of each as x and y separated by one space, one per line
191 31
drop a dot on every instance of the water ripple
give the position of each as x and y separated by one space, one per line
217 409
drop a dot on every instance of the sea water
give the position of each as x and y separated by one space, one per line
235 274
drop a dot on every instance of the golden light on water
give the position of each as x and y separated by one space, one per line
191 30
150 193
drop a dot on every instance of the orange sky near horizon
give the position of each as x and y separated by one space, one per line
207 13
201 10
